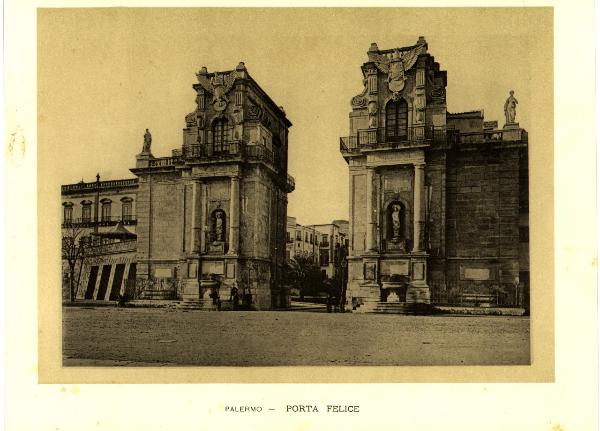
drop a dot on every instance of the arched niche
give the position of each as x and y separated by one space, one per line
396 232
218 225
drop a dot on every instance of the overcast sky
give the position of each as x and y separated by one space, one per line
106 75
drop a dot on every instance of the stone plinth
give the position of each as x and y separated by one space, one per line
511 132
142 160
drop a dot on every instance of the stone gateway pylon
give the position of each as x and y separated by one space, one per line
437 199
212 216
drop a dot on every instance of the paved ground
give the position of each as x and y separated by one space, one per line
144 336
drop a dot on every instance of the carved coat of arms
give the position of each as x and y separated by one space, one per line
396 76
219 85
396 65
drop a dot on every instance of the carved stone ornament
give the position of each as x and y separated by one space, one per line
191 119
372 109
396 65
219 85
360 101
238 116
438 94
254 111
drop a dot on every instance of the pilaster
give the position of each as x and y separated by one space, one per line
234 211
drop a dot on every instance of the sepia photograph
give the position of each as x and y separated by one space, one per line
249 216
291 198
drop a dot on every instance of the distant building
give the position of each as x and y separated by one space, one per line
207 218
103 212
301 240
321 241
438 200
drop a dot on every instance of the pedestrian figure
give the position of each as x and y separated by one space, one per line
234 297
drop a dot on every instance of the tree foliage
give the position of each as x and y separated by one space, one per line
304 274
75 246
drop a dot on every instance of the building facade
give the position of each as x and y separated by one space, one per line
323 242
438 201
103 213
212 216
301 240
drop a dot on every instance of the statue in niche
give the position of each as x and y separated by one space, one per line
238 119
395 230
372 107
510 108
147 142
219 220
396 223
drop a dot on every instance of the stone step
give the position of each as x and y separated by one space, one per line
157 294
378 307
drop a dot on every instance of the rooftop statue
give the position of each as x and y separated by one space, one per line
510 108
147 142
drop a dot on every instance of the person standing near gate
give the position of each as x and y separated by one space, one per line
234 297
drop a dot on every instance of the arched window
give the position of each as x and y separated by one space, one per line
126 209
86 211
219 131
106 209
396 120
67 212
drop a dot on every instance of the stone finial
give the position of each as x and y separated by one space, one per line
282 110
203 71
373 47
241 66
421 40
98 177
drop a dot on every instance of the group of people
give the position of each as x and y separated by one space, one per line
238 300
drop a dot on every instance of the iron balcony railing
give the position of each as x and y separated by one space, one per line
99 185
384 137
229 150
225 150
103 221
101 248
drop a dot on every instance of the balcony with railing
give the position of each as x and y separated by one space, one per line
489 136
103 221
213 152
383 138
100 185
111 247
